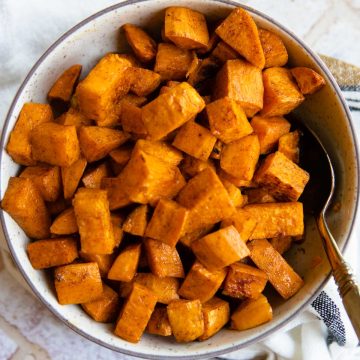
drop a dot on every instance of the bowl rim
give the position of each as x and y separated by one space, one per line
214 353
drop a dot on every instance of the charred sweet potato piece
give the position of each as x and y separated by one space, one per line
289 146
44 254
159 323
137 221
92 177
143 81
65 223
308 80
78 283
19 146
240 32
186 319
71 176
201 283
23 202
104 261
274 49
281 275
186 28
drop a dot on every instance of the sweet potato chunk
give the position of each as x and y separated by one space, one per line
192 166
100 91
206 199
142 44
240 157
186 28
57 206
223 52
119 158
281 243
73 117
105 308
244 281
19 146
65 223
197 234
281 94
200 283
216 313
204 70
269 131
116 194
23 202
143 81
48 253
235 194
163 259
289 146
284 179
159 323
71 176
308 80
195 140
240 32
92 213
259 196
171 110
239 182
168 222
242 82
137 221
55 144
125 265
78 283
64 86
135 314
104 261
281 275
243 222
46 179
274 49
227 120
251 313
96 142
92 178
186 319
131 119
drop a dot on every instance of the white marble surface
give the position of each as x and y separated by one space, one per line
27 329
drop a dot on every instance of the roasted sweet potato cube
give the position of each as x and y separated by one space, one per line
135 314
116 194
142 44
57 206
220 248
159 323
119 158
281 275
65 223
186 28
197 234
99 92
234 192
19 146
104 261
227 120
167 223
281 243
251 313
284 179
23 202
281 94
213 41
137 221
63 87
206 199
125 265
78 283
244 281
48 253
131 119
239 182
289 146
46 179
243 222
172 63
143 81
92 177
240 157
164 260
201 283
192 166
92 214
308 80
96 142
259 196
71 176
216 313
242 82
195 140
116 222
73 117
55 144
223 52
274 49
171 110
105 308
240 32
269 131
186 319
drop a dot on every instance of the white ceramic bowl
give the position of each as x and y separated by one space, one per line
325 112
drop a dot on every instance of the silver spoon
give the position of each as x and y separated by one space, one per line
318 198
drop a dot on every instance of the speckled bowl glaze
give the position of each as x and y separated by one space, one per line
325 112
